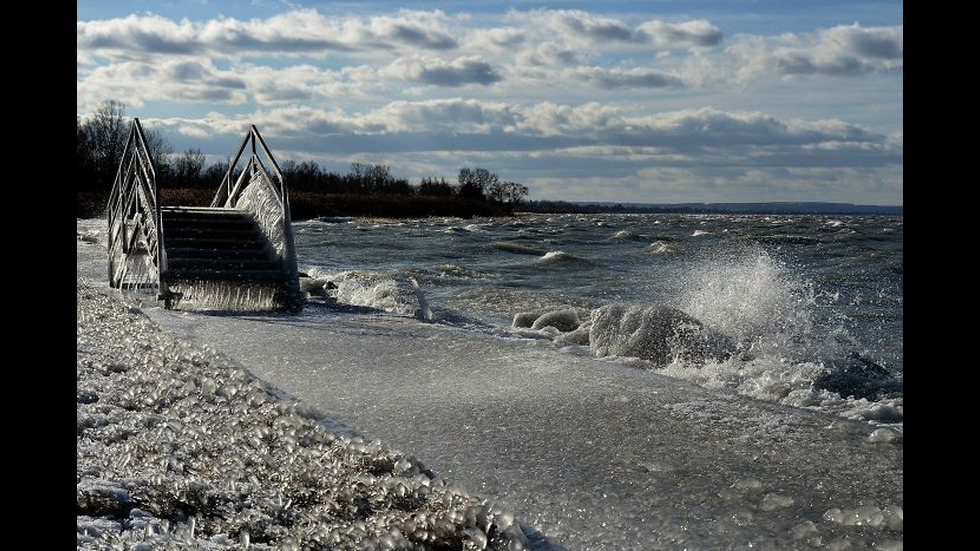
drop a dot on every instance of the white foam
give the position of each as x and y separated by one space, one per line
767 311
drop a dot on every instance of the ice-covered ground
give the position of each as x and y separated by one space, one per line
593 454
178 447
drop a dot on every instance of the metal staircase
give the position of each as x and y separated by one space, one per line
237 254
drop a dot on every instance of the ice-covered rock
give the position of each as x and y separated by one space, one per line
859 377
562 320
659 334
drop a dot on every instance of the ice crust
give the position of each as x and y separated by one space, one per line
179 448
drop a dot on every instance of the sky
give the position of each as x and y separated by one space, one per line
659 101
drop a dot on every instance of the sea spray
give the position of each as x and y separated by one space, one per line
755 299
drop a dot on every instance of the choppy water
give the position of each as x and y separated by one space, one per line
797 295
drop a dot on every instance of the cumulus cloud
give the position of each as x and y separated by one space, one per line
846 50
296 32
698 32
427 30
499 37
438 72
628 78
547 54
717 151
579 24
538 51
584 27
452 115
548 90
587 125
136 82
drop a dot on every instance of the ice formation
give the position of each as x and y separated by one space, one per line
178 448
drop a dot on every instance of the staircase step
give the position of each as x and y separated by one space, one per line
244 232
221 263
213 243
215 253
214 222
205 211
202 274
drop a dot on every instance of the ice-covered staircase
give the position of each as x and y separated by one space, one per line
217 244
237 254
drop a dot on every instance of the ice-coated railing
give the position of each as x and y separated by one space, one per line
254 190
136 257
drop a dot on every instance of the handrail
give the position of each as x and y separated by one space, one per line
134 218
226 195
254 191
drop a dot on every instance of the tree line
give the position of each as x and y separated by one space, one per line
100 140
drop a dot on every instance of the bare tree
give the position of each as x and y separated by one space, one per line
474 183
160 149
187 168
506 193
108 130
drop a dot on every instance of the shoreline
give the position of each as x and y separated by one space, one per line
589 453
179 446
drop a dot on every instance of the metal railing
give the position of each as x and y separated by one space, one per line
254 191
136 254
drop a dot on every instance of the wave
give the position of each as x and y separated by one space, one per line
444 273
629 235
759 301
517 248
660 247
458 272
742 322
554 257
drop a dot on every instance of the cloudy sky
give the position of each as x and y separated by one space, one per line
658 101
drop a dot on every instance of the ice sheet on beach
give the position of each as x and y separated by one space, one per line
593 454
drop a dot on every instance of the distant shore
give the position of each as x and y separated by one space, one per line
310 205
307 205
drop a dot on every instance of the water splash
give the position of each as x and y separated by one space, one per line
769 312
756 300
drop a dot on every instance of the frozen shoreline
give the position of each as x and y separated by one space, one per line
179 447
592 454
